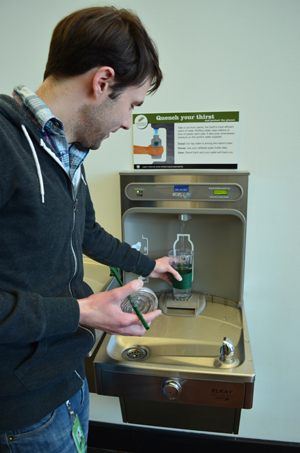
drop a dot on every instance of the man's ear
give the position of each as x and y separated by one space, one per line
103 80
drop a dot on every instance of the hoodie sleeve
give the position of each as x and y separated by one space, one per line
28 317
106 249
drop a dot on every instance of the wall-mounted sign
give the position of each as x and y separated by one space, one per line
195 140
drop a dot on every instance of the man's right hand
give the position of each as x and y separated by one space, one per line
103 311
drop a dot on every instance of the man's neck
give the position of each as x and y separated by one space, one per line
64 99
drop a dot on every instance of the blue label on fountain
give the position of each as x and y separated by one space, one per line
181 188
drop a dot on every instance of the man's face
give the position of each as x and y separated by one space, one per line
109 115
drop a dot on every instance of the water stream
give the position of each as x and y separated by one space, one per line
182 237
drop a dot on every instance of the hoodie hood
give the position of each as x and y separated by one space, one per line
13 112
16 115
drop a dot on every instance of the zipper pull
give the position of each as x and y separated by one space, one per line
75 205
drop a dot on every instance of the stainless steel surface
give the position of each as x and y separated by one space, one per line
219 245
134 353
184 217
179 357
206 180
192 306
186 347
227 350
171 389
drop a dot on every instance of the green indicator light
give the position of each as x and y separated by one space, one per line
220 192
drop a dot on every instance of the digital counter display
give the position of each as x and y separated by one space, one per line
220 192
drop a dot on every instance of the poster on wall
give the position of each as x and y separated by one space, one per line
198 140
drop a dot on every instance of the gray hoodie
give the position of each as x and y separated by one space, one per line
45 226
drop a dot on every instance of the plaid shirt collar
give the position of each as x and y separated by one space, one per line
52 129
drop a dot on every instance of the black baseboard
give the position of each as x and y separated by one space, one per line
133 439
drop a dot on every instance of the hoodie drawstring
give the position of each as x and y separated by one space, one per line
37 164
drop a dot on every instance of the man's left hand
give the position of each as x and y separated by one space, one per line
163 267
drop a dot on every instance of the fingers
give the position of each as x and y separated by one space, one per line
163 267
103 311
119 294
152 315
132 326
133 286
175 273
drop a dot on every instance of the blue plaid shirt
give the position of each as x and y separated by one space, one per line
52 129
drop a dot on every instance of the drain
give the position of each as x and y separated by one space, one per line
134 353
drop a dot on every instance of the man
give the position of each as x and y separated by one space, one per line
101 64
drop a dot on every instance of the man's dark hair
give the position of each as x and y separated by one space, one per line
104 36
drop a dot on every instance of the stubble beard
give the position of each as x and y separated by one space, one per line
90 129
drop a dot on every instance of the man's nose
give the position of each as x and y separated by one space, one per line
127 122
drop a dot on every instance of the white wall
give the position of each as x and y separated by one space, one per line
216 55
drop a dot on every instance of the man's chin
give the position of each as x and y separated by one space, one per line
98 143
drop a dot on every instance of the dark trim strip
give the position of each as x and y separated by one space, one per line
133 439
185 166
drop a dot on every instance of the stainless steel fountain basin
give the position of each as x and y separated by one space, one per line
187 341
173 375
180 347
